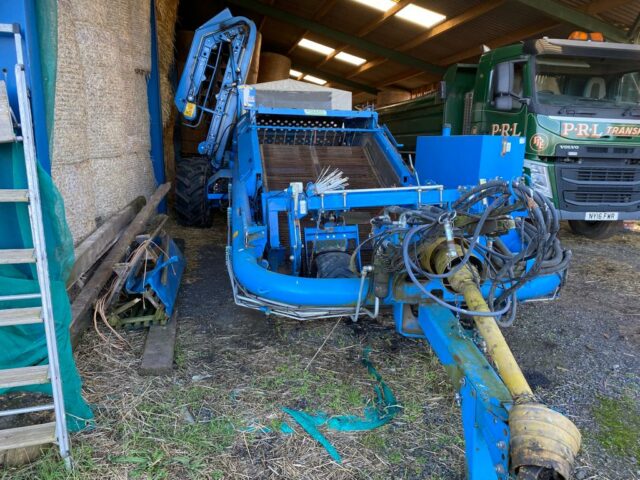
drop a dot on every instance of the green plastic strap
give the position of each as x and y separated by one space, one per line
386 408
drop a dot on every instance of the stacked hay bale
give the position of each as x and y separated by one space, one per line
273 66
101 140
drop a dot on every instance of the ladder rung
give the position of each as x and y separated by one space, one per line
20 316
19 377
23 255
20 411
30 436
19 296
9 196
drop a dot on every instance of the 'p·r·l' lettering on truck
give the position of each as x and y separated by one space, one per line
576 101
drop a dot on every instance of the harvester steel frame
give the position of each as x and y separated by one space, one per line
433 270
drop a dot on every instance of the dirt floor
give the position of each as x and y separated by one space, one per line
219 415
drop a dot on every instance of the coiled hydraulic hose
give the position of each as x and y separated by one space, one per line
541 253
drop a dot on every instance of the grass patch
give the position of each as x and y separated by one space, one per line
618 420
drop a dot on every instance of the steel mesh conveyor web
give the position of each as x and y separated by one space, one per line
284 164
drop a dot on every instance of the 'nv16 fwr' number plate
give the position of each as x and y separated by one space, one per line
601 216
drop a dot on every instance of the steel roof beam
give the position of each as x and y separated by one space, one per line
337 35
580 19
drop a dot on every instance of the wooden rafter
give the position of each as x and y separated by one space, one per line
594 7
439 29
368 28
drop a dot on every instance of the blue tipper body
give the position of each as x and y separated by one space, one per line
465 160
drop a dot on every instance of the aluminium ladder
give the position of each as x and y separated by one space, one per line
56 431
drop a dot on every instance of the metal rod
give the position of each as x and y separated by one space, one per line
20 411
22 296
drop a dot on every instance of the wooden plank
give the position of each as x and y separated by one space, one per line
15 195
96 244
20 316
83 304
15 256
22 437
157 358
19 377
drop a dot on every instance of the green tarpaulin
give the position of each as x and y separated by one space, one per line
22 346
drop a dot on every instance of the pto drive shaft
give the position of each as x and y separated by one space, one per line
540 437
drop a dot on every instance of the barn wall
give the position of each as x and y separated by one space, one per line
100 155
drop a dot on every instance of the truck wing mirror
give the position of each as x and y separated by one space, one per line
442 90
504 79
504 103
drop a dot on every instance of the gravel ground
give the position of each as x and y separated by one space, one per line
235 369
585 346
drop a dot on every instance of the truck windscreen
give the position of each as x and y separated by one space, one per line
586 85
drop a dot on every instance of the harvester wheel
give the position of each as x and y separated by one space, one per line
595 230
192 206
334 265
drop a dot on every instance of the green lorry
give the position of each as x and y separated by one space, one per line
577 104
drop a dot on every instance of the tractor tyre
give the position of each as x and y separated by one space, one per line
192 206
334 265
595 230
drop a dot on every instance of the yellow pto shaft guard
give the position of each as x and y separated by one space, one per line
540 437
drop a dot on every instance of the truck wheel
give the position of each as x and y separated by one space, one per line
595 230
192 207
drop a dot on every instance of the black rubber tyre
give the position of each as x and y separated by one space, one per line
595 230
334 265
192 207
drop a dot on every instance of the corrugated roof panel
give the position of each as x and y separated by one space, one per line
349 16
624 15
302 8
397 31
279 34
487 29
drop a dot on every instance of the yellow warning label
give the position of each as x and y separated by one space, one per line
189 109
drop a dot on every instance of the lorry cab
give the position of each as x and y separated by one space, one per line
577 103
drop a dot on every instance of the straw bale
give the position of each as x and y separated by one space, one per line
273 66
74 180
100 158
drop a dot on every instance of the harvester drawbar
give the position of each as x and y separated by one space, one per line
327 220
